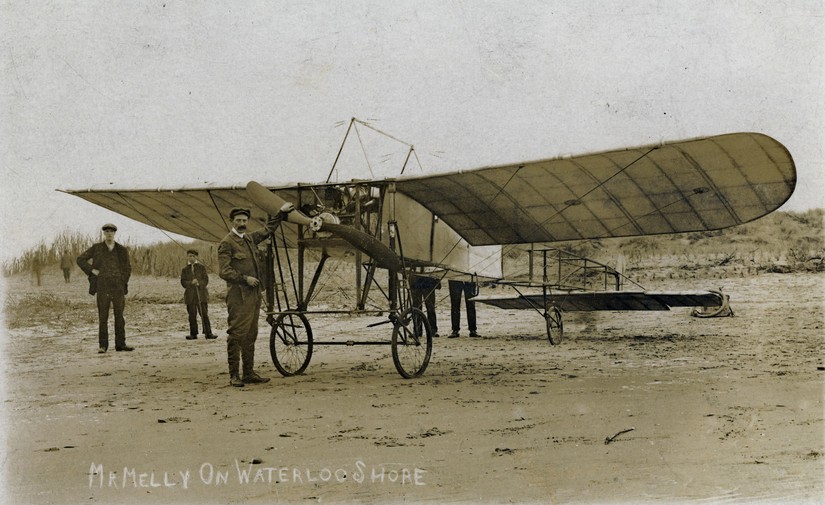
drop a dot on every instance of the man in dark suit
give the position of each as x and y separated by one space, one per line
194 279
107 265
241 268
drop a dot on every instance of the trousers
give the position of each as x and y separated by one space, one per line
111 294
468 289
192 309
244 307
425 298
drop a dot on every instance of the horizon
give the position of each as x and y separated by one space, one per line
184 242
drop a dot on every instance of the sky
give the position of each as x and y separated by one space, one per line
181 93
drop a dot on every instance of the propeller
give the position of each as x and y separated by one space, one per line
272 204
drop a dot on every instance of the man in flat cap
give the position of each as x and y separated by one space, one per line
107 266
194 280
241 268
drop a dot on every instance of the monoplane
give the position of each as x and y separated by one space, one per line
453 225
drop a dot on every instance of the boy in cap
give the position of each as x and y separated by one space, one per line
194 280
241 268
107 265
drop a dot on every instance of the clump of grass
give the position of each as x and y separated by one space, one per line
156 298
46 309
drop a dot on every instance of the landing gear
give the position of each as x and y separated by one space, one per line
412 343
555 327
290 343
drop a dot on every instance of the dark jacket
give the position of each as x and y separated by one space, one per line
194 294
423 282
92 259
238 258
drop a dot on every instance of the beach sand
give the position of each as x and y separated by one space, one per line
722 410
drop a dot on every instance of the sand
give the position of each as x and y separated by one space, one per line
724 410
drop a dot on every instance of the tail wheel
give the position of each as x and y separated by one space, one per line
412 343
290 343
555 327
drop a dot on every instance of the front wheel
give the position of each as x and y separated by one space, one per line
290 343
555 327
412 343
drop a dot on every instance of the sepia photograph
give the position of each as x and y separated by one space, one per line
414 252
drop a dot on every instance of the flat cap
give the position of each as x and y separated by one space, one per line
192 251
109 226
239 210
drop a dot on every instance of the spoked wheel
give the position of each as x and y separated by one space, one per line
412 343
555 327
290 343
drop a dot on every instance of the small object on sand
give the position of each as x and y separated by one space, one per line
257 461
610 439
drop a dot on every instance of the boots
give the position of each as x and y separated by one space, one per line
248 358
253 378
234 377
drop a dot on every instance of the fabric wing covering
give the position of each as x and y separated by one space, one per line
201 213
694 185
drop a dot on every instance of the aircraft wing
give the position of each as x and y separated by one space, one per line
606 300
703 184
200 213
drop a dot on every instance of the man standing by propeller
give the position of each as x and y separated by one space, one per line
194 280
241 268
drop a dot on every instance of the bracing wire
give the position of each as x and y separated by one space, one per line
354 122
340 150
599 185
381 132
364 150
